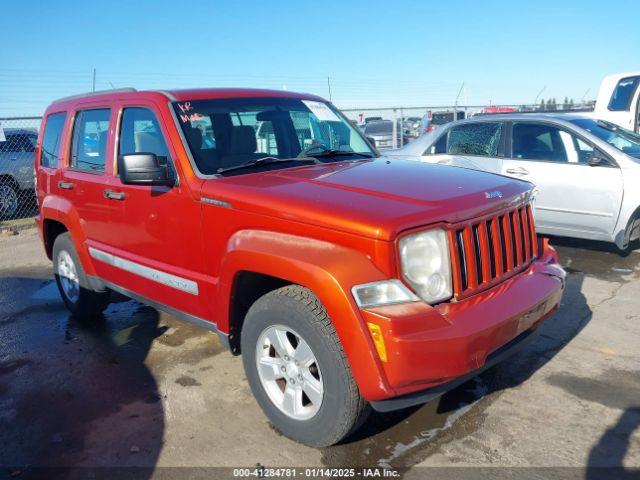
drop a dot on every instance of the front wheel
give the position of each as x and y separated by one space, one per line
631 237
73 284
297 369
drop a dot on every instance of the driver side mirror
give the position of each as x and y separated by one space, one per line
144 169
596 159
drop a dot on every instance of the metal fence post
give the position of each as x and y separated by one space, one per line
401 127
395 129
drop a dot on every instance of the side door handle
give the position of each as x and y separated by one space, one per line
66 185
518 171
111 195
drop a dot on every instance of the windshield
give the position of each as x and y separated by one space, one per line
621 138
224 133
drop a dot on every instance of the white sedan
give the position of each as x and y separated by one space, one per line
587 171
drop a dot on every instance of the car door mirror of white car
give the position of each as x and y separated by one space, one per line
596 159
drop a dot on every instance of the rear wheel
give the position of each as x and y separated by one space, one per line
73 283
297 369
9 199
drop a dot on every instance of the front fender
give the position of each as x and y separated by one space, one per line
328 270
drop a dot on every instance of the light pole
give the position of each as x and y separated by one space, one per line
535 102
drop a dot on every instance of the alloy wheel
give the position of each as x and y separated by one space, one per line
68 275
289 372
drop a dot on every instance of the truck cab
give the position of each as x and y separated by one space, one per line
619 100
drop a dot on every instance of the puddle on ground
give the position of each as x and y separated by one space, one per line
404 438
597 259
49 291
187 381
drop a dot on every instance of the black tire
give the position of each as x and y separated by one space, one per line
631 245
342 408
10 202
88 303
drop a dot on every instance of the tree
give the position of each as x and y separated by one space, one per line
542 105
571 104
565 104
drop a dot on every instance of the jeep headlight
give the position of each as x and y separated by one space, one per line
426 265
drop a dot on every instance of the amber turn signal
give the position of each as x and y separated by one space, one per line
378 340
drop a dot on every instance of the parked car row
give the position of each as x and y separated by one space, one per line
411 126
380 133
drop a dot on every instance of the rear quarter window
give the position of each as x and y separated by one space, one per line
439 146
51 140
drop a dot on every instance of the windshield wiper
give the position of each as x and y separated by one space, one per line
337 153
264 161
623 132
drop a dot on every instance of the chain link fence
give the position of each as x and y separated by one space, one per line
407 123
18 206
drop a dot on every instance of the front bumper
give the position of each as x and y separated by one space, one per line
429 347
424 396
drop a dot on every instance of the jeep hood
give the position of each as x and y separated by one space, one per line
376 198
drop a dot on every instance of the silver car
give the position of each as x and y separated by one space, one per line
380 132
16 169
587 171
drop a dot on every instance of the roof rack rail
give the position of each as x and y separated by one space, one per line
91 94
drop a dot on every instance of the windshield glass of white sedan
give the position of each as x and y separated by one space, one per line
621 138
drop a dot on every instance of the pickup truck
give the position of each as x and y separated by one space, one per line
619 100
347 280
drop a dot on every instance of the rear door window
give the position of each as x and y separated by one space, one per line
623 94
90 133
51 139
482 139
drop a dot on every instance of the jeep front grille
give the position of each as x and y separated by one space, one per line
487 251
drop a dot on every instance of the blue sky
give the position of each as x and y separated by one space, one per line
377 54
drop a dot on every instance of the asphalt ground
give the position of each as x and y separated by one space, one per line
143 389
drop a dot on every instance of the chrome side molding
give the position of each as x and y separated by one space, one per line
164 278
